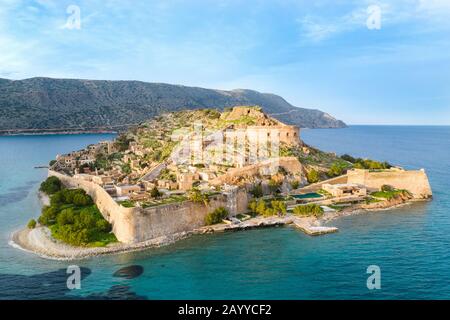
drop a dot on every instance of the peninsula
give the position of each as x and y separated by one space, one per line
202 171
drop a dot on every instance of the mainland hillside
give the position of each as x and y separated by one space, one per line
59 104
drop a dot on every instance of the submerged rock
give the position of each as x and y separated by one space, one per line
129 272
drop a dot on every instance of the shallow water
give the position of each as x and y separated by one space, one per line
409 244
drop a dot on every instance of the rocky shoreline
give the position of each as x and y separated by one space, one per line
39 240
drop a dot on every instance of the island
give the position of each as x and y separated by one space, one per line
204 171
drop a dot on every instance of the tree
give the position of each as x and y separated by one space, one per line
216 216
51 185
154 193
274 186
252 206
82 200
31 224
308 210
257 191
312 176
261 207
279 207
295 184
335 170
348 158
196 195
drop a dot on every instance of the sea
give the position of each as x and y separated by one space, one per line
408 245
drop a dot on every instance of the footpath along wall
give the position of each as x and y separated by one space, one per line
132 225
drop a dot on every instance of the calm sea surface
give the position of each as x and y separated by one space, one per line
410 245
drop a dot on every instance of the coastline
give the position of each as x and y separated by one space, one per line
22 133
39 240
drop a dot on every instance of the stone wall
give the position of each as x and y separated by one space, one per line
290 164
131 225
415 181
123 219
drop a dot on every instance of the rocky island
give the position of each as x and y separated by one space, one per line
203 171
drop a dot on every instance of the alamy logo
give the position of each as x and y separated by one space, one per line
232 147
74 18
373 22
74 278
374 280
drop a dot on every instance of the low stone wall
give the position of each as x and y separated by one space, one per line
415 181
131 225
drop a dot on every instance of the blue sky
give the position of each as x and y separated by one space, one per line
316 54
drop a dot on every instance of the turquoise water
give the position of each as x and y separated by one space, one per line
409 244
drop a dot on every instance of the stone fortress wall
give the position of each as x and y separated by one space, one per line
415 181
132 225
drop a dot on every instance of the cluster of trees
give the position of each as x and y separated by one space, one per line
360 163
260 207
195 195
308 210
216 216
51 185
73 218
337 168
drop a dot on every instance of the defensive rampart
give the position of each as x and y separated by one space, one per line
131 225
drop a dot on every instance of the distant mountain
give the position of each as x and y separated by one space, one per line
45 103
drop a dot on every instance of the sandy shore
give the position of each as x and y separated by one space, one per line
39 241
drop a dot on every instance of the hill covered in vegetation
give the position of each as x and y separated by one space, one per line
83 105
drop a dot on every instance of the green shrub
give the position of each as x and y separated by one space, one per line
274 186
261 208
336 169
394 193
348 158
295 184
126 168
196 195
154 193
257 191
312 176
279 207
216 216
51 185
31 224
360 163
387 188
308 210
